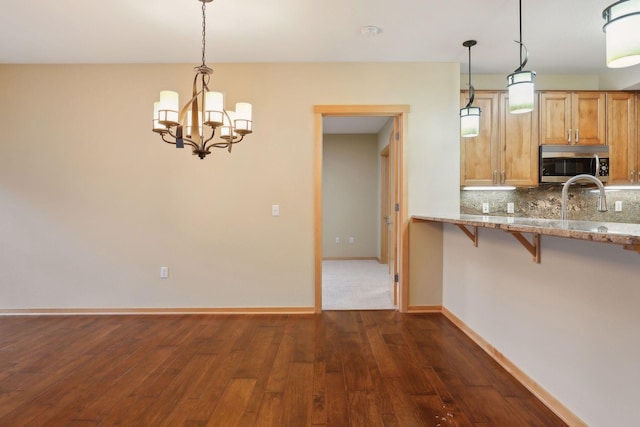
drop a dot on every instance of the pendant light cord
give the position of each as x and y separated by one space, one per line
469 65
520 22
522 46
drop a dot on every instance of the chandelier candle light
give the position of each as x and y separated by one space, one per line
521 84
622 32
470 116
196 123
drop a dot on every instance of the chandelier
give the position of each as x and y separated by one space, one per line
196 123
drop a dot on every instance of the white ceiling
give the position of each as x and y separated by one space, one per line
563 36
353 124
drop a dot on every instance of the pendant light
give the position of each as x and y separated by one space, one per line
622 32
470 116
521 84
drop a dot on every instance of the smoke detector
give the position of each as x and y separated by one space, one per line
370 31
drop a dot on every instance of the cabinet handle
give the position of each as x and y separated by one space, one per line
569 136
495 177
577 135
503 177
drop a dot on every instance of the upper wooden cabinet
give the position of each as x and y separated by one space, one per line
572 118
622 136
506 150
479 155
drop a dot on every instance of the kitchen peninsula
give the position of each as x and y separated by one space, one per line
627 235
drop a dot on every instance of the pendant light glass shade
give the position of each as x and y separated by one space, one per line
622 32
470 116
521 91
469 122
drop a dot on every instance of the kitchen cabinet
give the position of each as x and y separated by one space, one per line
572 118
622 137
506 150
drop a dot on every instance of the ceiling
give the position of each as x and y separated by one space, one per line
563 36
353 124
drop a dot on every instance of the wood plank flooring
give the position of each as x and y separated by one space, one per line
339 368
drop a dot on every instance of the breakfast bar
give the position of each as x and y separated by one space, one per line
627 235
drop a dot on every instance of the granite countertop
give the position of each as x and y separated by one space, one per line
606 232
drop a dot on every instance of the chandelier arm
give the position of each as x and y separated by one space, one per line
235 141
195 119
166 140
218 145
213 134
184 139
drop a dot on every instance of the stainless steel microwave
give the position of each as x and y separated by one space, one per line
558 163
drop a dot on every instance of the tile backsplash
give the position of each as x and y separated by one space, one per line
545 202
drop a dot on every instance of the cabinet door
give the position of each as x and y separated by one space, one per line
555 118
518 146
621 136
589 118
479 155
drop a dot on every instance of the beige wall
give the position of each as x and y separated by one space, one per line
350 207
92 203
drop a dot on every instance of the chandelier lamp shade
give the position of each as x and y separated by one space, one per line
521 83
622 32
469 115
196 123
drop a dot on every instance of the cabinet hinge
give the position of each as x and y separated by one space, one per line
397 207
396 278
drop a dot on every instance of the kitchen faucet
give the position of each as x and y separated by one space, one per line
602 199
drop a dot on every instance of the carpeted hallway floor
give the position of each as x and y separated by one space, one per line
356 284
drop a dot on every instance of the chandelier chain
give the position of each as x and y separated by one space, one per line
204 31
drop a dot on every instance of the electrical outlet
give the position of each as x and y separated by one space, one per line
618 206
352 240
275 210
337 240
485 207
164 272
510 208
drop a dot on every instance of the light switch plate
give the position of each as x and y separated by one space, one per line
618 206
275 210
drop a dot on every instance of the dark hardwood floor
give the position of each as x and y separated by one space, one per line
340 368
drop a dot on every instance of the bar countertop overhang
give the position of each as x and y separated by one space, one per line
605 232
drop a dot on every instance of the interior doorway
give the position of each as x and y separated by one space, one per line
393 221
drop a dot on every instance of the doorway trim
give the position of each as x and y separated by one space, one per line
384 205
399 113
